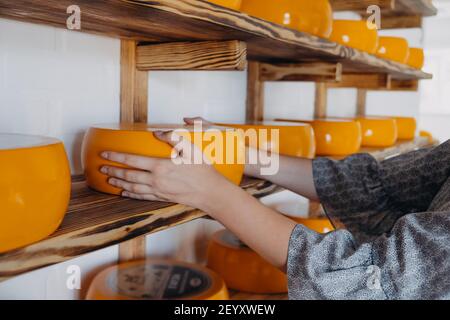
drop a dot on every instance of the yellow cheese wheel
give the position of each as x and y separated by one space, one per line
393 48
157 279
314 17
335 137
416 58
34 188
378 131
242 268
355 34
139 139
407 127
294 139
321 225
232 4
426 134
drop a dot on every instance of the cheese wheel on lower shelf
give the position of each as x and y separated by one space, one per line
378 132
34 188
156 279
242 268
321 225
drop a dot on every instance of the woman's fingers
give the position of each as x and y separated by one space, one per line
131 160
135 176
138 196
131 187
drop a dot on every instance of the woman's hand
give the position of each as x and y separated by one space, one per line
173 180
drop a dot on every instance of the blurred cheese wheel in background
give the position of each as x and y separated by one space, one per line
407 127
139 139
334 137
232 4
294 139
156 279
416 58
378 131
426 134
320 225
314 17
242 268
355 34
393 48
34 188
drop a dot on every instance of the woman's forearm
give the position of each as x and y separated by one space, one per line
261 228
295 174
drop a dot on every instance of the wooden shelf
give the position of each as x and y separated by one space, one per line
422 8
195 20
95 221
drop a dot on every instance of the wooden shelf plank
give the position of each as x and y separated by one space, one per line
95 221
195 20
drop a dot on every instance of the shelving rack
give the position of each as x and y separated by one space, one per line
198 35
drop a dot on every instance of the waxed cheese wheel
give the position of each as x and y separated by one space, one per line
34 188
407 127
242 268
225 145
320 225
157 279
286 138
378 131
334 137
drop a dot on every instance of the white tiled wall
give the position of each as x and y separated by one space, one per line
55 82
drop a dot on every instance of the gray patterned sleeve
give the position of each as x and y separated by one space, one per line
367 197
410 262
395 243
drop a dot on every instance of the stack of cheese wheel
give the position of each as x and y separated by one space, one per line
232 4
286 138
139 139
407 127
378 132
242 268
34 188
334 137
355 34
314 17
393 48
155 279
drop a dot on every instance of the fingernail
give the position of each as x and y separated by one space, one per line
125 194
111 181
104 170
105 155
158 133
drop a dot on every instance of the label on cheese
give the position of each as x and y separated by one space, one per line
159 281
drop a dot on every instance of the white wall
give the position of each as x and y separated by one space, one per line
57 83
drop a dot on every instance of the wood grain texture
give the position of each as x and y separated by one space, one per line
363 81
423 8
404 85
95 221
321 100
194 20
308 71
133 85
255 93
203 55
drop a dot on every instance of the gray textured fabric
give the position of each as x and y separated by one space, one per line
393 237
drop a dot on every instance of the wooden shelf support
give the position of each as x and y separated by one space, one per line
255 92
361 5
361 99
321 100
133 108
309 71
375 81
200 55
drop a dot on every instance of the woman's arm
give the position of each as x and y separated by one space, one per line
201 186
